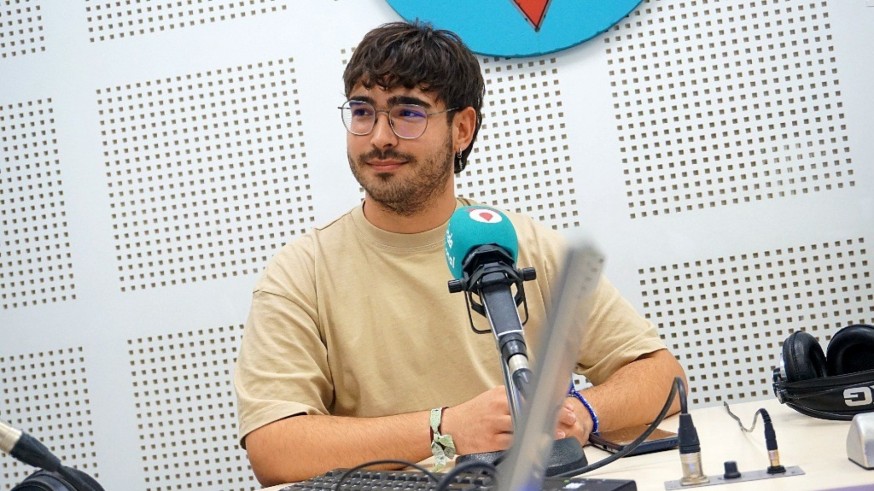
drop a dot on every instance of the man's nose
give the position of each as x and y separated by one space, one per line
382 133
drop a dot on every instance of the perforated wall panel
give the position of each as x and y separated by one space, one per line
186 410
726 318
47 393
720 103
110 20
36 261
21 28
206 172
155 154
521 160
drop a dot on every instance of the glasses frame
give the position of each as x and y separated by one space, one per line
391 123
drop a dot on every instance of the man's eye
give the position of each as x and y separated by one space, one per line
410 113
361 112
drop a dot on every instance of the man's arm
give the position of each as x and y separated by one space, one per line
300 447
632 395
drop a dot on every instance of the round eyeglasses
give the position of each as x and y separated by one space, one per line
407 121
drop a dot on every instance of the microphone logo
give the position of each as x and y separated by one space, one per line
450 259
485 215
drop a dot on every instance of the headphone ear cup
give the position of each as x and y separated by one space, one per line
43 480
803 358
851 350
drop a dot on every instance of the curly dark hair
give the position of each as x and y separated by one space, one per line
415 55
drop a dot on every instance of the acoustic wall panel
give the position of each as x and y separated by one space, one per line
155 154
207 172
725 318
21 28
47 394
35 260
111 20
186 413
521 159
721 103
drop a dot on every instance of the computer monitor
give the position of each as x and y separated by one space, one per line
524 466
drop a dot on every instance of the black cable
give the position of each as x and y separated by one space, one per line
770 437
682 388
31 451
380 462
686 433
449 477
677 385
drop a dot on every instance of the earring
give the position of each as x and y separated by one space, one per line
459 162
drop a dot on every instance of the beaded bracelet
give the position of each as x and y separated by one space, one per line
572 392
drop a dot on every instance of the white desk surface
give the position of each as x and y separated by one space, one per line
817 446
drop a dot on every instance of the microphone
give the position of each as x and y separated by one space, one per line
478 227
481 251
29 450
26 448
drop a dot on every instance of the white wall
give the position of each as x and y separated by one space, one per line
152 160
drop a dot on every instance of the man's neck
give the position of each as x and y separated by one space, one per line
432 216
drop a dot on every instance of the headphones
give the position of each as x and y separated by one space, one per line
835 384
43 480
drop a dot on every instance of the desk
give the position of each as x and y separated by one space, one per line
817 446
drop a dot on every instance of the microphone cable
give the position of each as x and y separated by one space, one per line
349 472
774 466
676 386
489 468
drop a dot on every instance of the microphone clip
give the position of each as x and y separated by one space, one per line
490 267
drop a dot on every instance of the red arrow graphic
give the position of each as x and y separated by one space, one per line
534 10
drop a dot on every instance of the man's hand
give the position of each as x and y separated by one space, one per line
573 420
482 424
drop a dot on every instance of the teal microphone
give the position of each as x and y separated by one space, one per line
481 251
479 229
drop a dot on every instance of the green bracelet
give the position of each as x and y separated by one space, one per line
442 446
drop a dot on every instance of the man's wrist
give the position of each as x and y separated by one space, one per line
442 445
572 392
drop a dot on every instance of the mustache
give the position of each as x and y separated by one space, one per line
390 153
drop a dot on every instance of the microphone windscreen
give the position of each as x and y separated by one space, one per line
473 226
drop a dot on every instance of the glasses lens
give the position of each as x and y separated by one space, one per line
358 117
408 120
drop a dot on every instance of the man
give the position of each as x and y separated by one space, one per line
353 340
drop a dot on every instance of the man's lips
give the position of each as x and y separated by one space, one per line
385 164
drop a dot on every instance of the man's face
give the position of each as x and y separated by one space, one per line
400 174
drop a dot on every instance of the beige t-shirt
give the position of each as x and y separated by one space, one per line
352 320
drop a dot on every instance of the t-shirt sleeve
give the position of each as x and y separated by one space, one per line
282 367
617 334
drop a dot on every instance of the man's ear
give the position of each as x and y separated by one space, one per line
463 127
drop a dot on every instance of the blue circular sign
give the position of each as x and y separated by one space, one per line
515 28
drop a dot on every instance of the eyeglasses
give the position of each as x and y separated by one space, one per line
407 121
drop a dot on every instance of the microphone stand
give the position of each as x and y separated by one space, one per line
492 282
499 307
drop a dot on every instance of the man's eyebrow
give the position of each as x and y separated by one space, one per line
394 100
362 98
406 99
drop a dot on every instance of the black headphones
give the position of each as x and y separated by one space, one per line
837 384
43 480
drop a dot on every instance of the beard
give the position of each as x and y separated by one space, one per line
408 194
